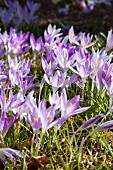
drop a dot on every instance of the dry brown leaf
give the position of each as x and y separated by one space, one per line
36 162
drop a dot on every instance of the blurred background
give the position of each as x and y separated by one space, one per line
91 16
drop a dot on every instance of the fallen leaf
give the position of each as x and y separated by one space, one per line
33 164
44 160
36 162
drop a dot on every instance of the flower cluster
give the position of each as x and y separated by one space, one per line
16 13
65 60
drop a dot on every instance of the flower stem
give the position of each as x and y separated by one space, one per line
92 89
32 141
38 144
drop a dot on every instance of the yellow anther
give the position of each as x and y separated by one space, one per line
86 71
97 61
20 107
86 44
35 119
3 84
85 57
14 64
50 116
66 62
70 104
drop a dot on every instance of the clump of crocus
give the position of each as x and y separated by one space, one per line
14 43
17 14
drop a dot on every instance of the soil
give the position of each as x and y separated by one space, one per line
98 20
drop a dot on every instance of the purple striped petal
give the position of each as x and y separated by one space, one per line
106 125
9 124
59 121
32 41
10 152
80 110
90 122
18 105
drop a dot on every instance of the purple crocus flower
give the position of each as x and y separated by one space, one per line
72 37
43 117
9 103
98 59
68 108
26 13
4 102
86 40
83 64
55 99
81 40
33 7
36 45
109 43
104 76
5 16
28 105
48 66
34 120
15 43
64 60
5 123
106 125
26 84
104 79
57 80
18 68
74 78
51 33
46 115
109 85
12 5
40 117
90 122
10 153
